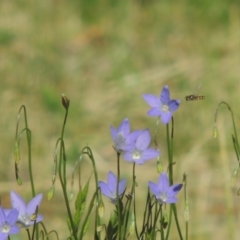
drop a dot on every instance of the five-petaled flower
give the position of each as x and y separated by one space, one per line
162 107
109 189
140 151
27 212
8 223
162 191
123 139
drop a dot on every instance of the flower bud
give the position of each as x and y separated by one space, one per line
132 225
51 192
101 209
100 228
159 166
65 101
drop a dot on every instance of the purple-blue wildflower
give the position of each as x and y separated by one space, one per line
109 189
123 139
162 107
27 212
8 223
162 191
140 151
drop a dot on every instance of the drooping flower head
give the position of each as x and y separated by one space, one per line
140 152
8 223
122 137
27 212
162 107
162 191
109 189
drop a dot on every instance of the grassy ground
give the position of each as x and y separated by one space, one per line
104 55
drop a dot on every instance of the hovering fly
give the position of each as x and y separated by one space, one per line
195 96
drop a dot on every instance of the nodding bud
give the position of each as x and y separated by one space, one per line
51 192
101 209
164 220
215 132
100 228
234 176
65 101
159 166
132 225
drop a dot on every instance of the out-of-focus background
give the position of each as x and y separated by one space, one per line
104 55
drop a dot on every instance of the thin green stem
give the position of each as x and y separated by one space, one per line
233 122
176 220
134 199
28 135
62 176
118 200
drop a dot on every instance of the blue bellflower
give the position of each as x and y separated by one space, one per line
8 223
140 151
27 212
109 189
162 107
122 137
162 191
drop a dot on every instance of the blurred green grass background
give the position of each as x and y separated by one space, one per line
104 55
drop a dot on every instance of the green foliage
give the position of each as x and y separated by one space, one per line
80 204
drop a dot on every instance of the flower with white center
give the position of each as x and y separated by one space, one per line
8 223
162 107
162 191
27 212
109 189
122 137
140 151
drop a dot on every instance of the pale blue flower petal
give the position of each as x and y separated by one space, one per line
12 217
153 187
165 95
152 100
174 189
173 105
171 200
154 112
112 181
3 236
2 216
113 132
32 205
104 189
143 140
166 117
150 153
128 156
122 186
124 127
17 202
130 140
14 230
163 182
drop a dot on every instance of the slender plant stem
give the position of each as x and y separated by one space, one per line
118 199
63 177
134 199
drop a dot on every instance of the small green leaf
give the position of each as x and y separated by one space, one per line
80 203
